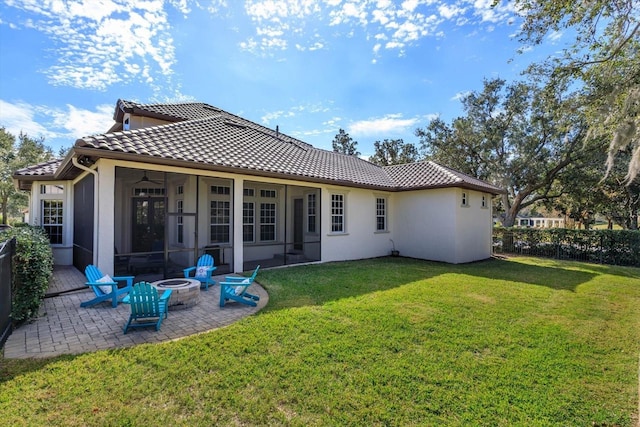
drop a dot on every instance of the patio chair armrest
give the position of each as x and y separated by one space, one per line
128 279
235 279
165 295
186 271
101 283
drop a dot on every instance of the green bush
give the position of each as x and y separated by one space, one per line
616 247
32 270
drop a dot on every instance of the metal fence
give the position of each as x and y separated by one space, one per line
7 249
615 247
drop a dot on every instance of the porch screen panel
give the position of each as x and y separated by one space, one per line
267 222
220 221
83 194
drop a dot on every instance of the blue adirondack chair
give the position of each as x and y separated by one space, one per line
235 289
105 287
203 271
147 308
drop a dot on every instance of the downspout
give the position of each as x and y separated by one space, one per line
96 194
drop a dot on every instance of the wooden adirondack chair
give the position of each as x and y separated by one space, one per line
235 289
147 308
105 287
203 271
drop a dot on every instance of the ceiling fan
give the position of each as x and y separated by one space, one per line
146 179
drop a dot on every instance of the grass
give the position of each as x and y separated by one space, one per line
388 341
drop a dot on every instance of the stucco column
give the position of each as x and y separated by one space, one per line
238 248
104 222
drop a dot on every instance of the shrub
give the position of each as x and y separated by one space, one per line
32 270
618 247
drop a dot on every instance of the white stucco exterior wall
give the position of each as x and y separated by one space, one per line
425 225
433 225
360 238
62 253
474 227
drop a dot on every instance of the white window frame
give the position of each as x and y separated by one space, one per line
179 221
382 214
484 201
252 224
269 224
338 211
465 199
312 209
50 221
220 194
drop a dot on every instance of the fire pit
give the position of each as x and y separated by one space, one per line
186 292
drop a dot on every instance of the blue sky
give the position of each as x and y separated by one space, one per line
376 68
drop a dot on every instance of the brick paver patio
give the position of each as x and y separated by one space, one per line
63 327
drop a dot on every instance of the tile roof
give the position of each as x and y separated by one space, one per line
428 174
225 142
43 170
169 112
205 135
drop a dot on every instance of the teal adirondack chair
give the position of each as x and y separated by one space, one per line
105 287
203 271
147 308
235 289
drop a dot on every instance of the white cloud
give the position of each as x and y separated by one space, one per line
282 23
59 127
449 11
388 125
460 95
19 117
101 42
554 36
78 122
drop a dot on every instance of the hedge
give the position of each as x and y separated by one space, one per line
32 270
615 247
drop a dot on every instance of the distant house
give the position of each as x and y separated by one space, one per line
540 222
169 182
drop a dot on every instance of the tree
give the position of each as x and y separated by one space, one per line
603 58
520 137
343 143
28 152
394 152
590 194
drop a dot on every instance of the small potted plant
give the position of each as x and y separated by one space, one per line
394 252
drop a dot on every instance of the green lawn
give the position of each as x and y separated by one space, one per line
377 342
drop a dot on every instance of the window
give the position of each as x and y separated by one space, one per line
311 213
219 189
248 222
220 221
52 220
249 192
148 192
337 213
465 200
268 194
267 221
381 214
180 189
179 222
484 201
